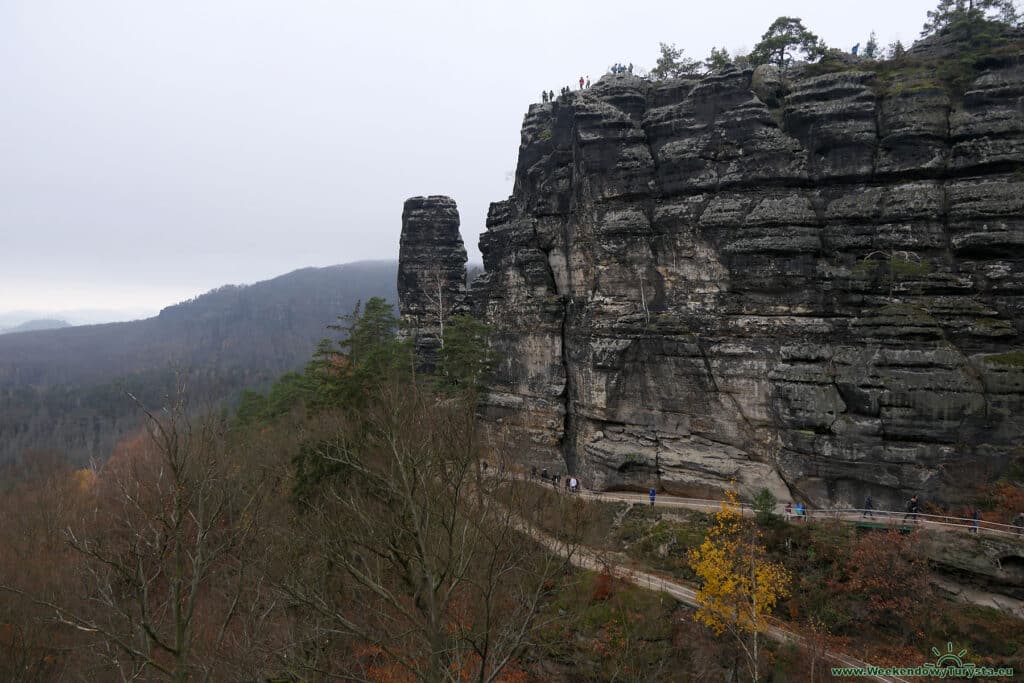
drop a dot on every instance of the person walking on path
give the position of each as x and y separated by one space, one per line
789 511
799 512
976 519
652 494
913 507
1018 522
572 485
533 472
869 505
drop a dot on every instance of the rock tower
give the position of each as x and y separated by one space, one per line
431 272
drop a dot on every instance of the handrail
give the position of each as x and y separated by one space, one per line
848 514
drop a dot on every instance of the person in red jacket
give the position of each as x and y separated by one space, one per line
581 82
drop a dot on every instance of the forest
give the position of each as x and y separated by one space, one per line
67 391
343 526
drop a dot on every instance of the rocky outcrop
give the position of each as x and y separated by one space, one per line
991 563
811 284
431 272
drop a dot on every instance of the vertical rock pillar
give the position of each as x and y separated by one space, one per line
431 273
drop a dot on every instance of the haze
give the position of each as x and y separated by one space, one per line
151 151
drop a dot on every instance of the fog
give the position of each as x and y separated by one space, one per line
150 151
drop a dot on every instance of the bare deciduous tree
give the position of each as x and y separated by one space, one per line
435 282
161 557
404 560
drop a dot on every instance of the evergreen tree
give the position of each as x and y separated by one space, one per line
466 357
369 355
718 60
954 14
895 50
785 37
871 48
764 506
672 63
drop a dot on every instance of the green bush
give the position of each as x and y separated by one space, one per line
764 506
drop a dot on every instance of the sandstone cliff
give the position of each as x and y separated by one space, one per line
431 272
811 283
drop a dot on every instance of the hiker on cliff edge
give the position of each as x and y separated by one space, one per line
581 82
544 96
588 81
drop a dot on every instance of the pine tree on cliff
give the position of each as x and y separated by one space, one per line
784 38
672 63
953 14
718 60
871 50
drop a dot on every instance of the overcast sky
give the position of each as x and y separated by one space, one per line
151 150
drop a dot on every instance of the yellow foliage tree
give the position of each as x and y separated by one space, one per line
739 585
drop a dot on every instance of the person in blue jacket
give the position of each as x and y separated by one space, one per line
652 494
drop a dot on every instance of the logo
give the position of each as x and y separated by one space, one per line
948 664
948 659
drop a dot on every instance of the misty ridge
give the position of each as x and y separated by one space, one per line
65 390
36 325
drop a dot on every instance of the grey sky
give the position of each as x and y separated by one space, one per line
151 150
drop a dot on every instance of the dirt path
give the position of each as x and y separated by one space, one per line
882 517
587 558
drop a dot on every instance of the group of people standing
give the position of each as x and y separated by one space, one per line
800 512
913 508
572 484
549 95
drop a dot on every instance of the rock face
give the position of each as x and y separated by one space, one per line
995 564
431 272
689 287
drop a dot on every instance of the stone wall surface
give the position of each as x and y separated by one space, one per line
810 282
431 272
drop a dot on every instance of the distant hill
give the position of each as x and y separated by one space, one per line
34 325
64 390
73 316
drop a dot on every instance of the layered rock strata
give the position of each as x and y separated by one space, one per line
811 284
431 273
